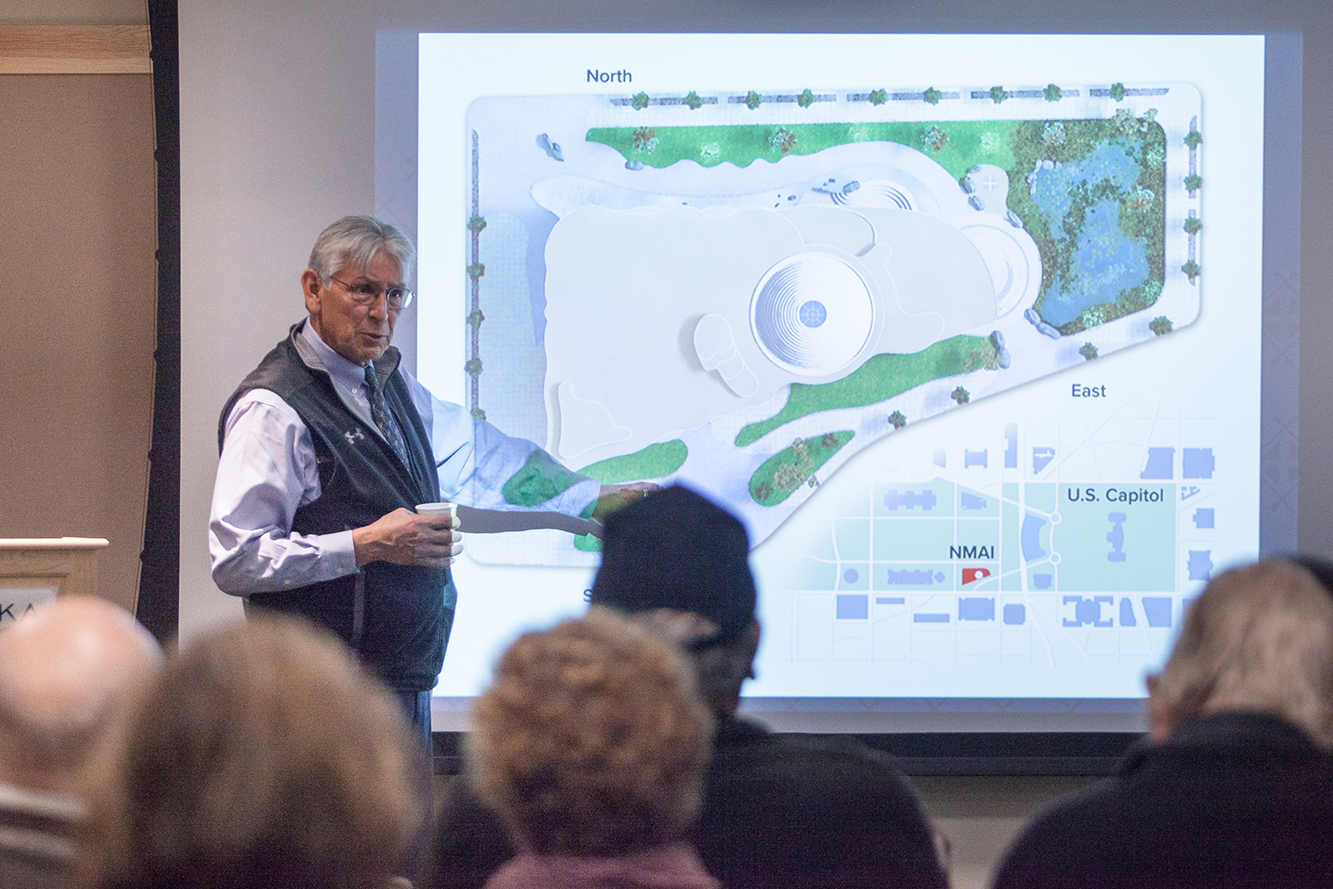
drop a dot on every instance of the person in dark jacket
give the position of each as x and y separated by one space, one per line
1234 784
776 812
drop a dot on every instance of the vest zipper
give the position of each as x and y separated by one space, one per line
358 611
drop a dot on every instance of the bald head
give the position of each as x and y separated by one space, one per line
65 666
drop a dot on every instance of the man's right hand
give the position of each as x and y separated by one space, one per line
405 538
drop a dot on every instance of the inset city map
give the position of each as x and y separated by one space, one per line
1034 556
741 290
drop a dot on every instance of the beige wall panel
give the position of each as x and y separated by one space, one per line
77 235
73 12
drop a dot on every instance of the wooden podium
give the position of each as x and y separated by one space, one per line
34 570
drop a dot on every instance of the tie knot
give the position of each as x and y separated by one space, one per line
372 378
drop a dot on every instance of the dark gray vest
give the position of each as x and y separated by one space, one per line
393 616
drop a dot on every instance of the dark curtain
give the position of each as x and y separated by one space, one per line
158 606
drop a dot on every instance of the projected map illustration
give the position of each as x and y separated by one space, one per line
743 290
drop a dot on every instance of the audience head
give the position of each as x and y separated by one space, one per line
1259 638
591 740
262 756
67 665
680 563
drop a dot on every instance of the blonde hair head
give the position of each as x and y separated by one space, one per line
1258 638
592 739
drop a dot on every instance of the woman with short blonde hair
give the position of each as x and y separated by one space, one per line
591 742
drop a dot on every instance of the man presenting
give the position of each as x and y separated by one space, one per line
327 446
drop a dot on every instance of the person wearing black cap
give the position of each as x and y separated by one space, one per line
776 811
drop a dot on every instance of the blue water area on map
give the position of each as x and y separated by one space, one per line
1105 260
1056 186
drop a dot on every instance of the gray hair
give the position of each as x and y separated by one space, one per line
1258 638
354 240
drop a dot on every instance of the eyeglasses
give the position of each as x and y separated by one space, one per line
364 294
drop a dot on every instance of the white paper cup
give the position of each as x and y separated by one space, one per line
439 508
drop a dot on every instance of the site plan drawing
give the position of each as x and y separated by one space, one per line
741 291
972 332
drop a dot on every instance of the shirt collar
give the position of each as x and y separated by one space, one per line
347 373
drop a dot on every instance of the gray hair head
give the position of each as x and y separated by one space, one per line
354 240
1258 638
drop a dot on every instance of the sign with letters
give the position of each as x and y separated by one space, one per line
18 601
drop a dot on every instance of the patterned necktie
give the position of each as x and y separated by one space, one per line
379 410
